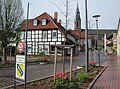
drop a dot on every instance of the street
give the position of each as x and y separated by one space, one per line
39 71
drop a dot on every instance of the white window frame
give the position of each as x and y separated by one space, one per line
35 22
29 34
44 21
22 35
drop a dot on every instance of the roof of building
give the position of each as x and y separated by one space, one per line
50 23
101 31
77 33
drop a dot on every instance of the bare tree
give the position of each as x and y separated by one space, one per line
11 15
67 13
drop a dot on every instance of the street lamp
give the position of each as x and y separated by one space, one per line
96 18
86 37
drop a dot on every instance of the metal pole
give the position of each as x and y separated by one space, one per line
96 17
97 42
26 47
55 63
63 62
66 13
44 47
15 65
71 65
86 40
105 43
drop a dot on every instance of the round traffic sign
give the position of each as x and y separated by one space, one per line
20 46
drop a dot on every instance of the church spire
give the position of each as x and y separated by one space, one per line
77 19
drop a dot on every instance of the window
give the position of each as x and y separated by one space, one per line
44 21
35 22
45 49
29 48
54 33
29 34
44 34
22 35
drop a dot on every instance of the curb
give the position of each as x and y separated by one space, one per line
22 83
95 79
89 87
30 81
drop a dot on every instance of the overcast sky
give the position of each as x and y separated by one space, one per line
108 9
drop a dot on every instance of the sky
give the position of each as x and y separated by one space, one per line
107 9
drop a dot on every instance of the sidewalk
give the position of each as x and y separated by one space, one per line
110 79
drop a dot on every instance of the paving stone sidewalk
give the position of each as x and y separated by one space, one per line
110 78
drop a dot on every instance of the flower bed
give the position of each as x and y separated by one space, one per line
80 80
7 63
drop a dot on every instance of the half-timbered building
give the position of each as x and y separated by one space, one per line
44 31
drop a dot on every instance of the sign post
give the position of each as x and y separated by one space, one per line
21 60
20 65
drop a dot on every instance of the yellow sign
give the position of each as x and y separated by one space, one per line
20 70
20 67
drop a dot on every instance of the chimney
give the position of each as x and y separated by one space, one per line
55 16
60 21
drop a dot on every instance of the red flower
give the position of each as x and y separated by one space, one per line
7 61
61 75
65 77
92 62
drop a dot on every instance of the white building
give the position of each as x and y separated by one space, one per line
44 31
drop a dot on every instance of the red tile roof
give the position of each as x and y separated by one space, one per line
77 33
51 24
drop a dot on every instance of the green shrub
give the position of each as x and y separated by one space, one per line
73 85
57 85
83 65
82 77
93 73
0 59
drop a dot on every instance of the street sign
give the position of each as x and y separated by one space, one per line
20 46
20 67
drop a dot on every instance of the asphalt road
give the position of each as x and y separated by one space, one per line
41 71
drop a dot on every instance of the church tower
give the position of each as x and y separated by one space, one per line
77 22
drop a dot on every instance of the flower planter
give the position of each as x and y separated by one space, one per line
47 83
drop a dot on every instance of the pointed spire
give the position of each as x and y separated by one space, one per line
77 10
77 18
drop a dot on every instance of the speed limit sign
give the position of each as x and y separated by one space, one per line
20 46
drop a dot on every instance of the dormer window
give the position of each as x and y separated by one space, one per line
35 22
44 21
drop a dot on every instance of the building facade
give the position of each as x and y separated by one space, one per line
118 38
43 32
